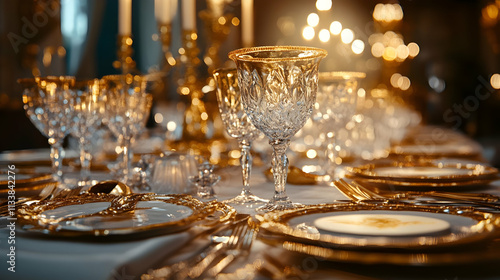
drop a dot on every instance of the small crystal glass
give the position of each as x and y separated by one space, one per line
88 110
49 107
278 88
335 105
238 126
127 108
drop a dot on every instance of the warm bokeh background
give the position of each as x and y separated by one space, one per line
451 81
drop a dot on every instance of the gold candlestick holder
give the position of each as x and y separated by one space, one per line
166 39
125 63
217 28
195 126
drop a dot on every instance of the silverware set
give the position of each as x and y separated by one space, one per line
226 245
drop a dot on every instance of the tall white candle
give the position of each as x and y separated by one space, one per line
173 8
247 23
189 14
162 11
125 17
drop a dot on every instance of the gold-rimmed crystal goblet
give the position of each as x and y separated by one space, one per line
237 126
278 87
88 110
335 105
127 108
47 102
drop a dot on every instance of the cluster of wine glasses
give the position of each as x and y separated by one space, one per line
60 105
335 105
272 90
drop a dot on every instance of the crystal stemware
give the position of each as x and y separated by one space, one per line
88 109
48 105
238 126
335 105
127 108
278 88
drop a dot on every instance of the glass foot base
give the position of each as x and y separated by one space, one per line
281 205
249 201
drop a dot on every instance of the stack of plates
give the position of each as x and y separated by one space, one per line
23 181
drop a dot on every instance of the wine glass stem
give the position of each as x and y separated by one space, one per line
246 165
56 150
85 158
331 155
280 169
127 153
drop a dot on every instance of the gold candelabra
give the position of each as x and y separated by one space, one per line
125 62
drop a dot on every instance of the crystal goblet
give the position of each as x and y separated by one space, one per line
335 105
238 126
126 111
48 105
278 88
88 110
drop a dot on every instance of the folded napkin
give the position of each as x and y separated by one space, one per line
44 258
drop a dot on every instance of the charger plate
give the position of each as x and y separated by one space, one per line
439 173
149 214
467 226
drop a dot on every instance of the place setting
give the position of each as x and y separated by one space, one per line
257 147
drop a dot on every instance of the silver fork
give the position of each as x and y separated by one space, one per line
241 249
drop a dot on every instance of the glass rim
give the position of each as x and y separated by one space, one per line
334 75
236 54
224 71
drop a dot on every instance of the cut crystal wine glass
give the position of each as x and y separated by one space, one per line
88 110
278 88
126 111
335 105
48 104
238 126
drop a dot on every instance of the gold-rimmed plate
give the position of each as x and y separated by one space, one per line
440 172
466 226
153 214
468 256
23 180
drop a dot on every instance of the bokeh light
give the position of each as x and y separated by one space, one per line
324 35
336 28
308 33
495 81
358 46
313 19
346 36
323 5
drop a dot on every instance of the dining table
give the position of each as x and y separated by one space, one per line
40 255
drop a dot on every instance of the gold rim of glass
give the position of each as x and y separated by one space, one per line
338 75
224 71
243 54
